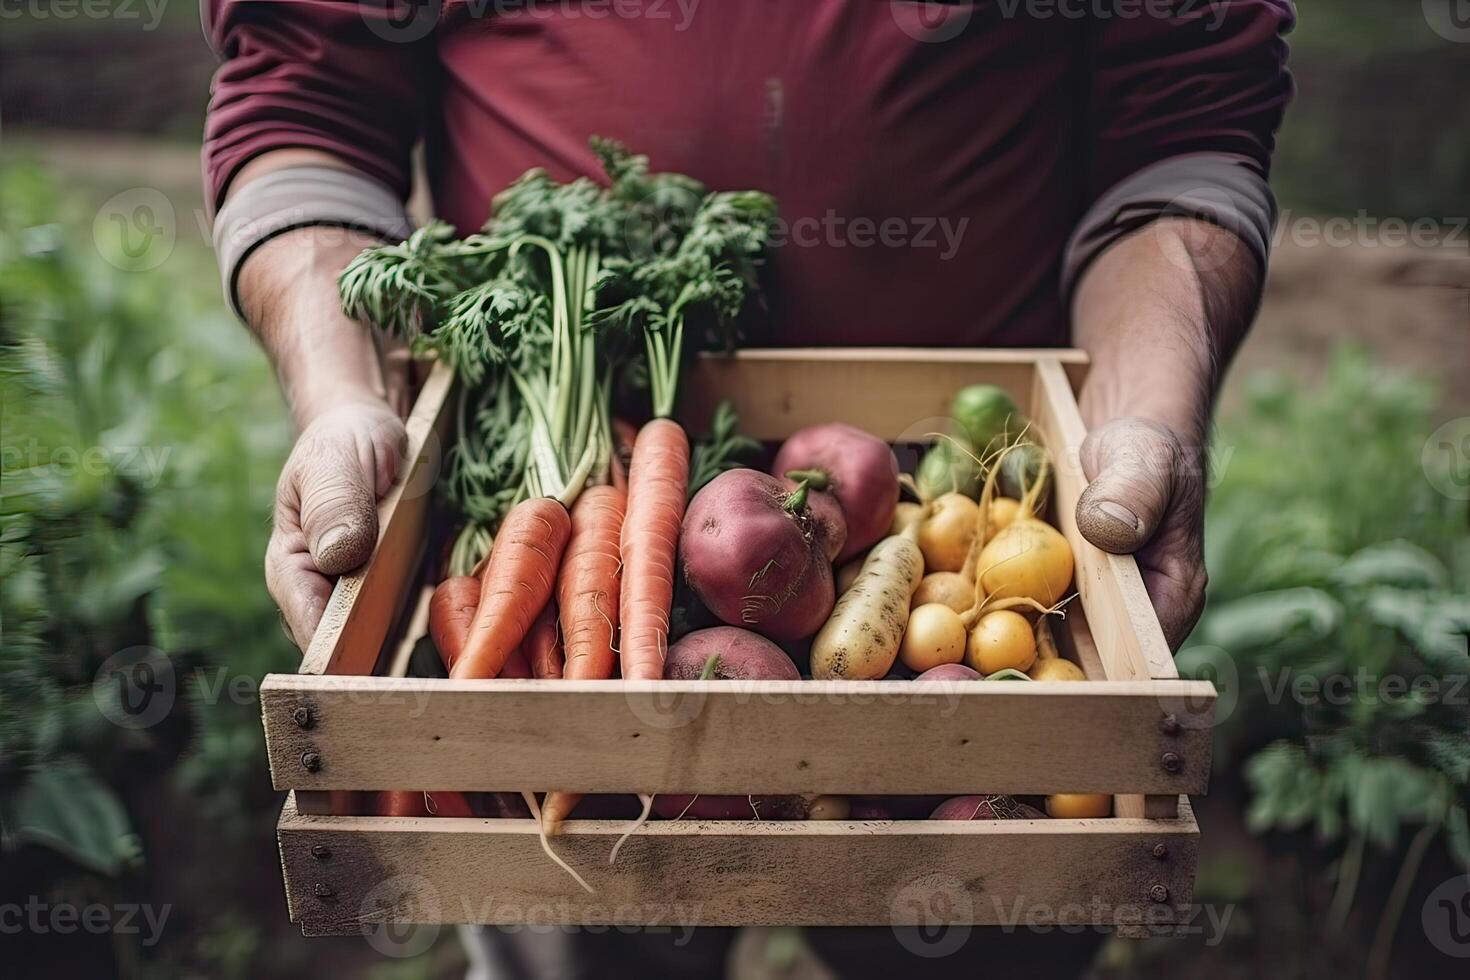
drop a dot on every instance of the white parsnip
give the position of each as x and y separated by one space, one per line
861 638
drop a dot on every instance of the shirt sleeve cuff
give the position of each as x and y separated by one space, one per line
300 197
1220 188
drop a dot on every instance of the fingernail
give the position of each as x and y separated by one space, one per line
1121 514
331 539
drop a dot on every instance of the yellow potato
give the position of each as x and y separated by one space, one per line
1056 669
903 515
1072 805
1001 639
946 588
935 636
945 535
861 638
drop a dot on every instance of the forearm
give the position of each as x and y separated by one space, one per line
287 289
1161 312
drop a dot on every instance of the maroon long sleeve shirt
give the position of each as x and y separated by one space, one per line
930 162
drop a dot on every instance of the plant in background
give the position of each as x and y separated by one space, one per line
1338 601
141 436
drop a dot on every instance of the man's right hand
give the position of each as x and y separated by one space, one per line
348 393
326 518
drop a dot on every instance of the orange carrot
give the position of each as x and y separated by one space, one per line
416 803
543 644
588 591
516 585
451 611
588 588
658 479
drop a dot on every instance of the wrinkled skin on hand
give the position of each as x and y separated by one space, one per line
1147 498
326 520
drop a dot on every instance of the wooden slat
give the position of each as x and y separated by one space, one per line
895 393
1124 628
885 737
1125 632
364 604
686 873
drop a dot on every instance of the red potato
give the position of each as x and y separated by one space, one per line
830 524
985 808
755 555
740 655
862 473
949 672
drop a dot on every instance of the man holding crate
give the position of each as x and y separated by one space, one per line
995 173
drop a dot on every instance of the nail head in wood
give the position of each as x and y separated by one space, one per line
1160 851
1171 762
321 890
1169 725
312 762
323 853
303 718
1158 893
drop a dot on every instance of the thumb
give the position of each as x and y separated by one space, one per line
339 480
1131 463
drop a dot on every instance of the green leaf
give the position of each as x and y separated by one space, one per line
66 808
1303 615
1400 563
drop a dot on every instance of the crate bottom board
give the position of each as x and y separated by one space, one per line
348 874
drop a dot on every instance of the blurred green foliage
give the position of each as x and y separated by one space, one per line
1337 622
142 435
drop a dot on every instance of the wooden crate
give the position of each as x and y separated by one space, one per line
1134 730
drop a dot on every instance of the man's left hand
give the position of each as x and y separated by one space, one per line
1146 498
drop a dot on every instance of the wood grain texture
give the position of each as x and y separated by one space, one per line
365 603
1125 634
877 873
894 393
1108 736
732 737
1125 631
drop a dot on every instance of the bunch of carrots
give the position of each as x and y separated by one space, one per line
565 565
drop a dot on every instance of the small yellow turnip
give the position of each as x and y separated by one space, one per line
1001 639
1002 512
828 808
935 636
951 589
1064 806
945 535
1056 670
1029 558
